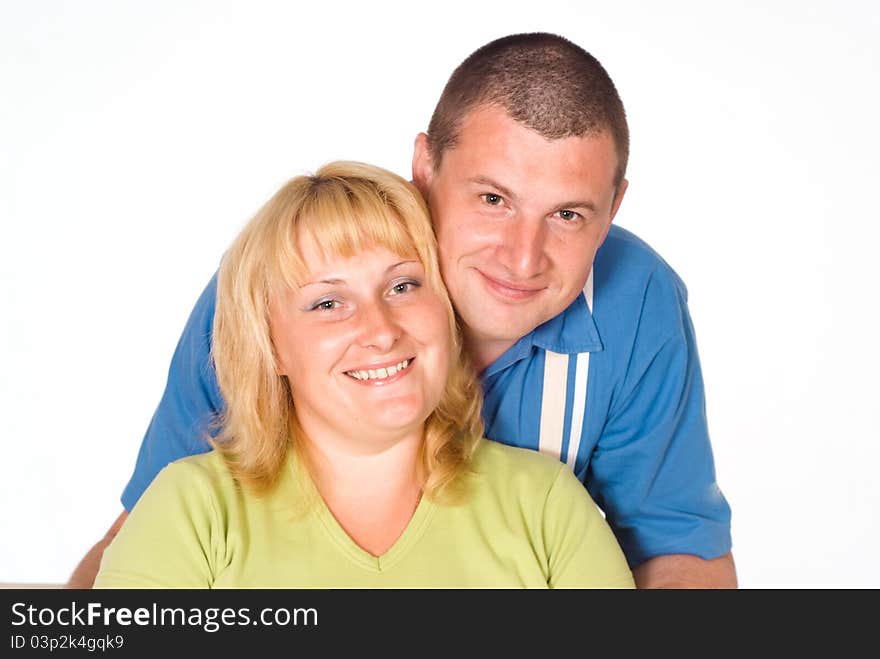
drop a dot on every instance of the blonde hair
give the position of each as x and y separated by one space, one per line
346 207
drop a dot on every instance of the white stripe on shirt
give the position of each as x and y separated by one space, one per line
588 290
579 408
579 403
553 403
554 394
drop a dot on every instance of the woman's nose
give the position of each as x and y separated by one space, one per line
379 328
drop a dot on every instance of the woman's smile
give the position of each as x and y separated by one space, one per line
380 375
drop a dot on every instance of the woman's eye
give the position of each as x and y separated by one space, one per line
492 199
324 305
403 287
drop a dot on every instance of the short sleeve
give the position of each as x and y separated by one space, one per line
170 538
189 405
653 471
582 551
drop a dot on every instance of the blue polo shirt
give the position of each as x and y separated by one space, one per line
611 386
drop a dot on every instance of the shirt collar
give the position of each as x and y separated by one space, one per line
570 332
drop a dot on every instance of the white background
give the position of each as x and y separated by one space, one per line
136 138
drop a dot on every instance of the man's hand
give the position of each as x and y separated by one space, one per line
84 574
686 571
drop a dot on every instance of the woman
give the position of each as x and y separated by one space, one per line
350 451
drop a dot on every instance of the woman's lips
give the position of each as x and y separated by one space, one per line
381 375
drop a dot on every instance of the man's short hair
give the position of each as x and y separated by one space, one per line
543 81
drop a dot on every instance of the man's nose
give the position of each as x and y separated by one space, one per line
379 328
523 247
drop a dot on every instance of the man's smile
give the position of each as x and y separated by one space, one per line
512 291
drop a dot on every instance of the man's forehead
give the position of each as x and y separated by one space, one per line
499 117
486 129
495 149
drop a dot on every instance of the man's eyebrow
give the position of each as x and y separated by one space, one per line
508 193
581 203
485 180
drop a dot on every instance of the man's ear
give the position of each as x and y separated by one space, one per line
422 166
618 197
615 205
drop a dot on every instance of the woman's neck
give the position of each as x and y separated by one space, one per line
383 472
372 494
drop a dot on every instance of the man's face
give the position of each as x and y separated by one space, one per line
518 220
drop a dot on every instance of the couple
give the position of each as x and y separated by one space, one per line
585 354
350 452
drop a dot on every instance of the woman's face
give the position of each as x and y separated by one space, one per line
365 345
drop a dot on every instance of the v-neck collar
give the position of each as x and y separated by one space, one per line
411 534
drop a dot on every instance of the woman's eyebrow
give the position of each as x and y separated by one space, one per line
400 263
335 281
331 282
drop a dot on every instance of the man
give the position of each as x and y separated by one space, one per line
579 331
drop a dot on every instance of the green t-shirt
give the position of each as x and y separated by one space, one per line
527 523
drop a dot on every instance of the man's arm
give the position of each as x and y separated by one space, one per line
653 471
189 405
686 571
170 539
179 425
84 574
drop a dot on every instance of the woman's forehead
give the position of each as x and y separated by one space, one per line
315 255
323 262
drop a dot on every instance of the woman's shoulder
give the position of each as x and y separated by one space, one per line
203 465
202 472
516 467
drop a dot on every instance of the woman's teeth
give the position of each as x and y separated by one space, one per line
379 373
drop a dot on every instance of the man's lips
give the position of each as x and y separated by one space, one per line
510 290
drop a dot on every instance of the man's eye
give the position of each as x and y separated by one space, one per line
567 215
492 199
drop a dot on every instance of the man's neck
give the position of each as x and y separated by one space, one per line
483 352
